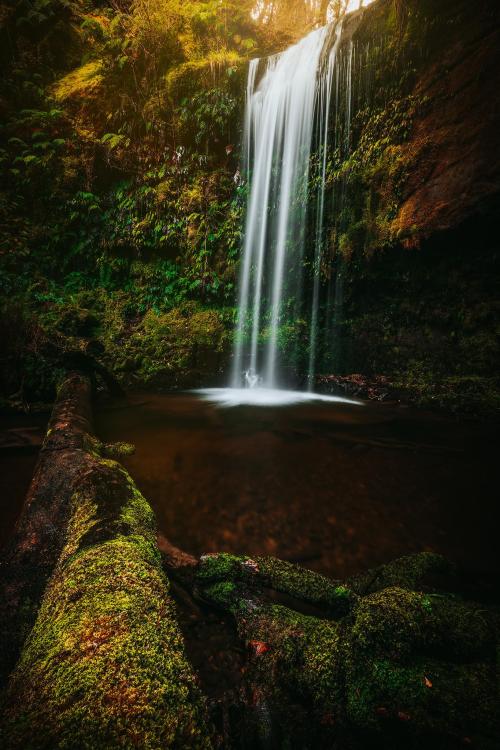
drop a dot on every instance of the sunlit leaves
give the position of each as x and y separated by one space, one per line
112 140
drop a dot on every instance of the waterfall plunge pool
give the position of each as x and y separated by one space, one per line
266 397
335 486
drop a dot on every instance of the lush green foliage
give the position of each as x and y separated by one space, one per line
118 150
120 154
122 197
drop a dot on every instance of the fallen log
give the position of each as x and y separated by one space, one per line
40 531
104 664
387 659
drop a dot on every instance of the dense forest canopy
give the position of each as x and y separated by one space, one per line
85 80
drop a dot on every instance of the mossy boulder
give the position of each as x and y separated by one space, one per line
185 343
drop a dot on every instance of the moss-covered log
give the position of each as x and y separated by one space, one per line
41 528
387 659
104 665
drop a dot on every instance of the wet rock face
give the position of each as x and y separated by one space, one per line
413 225
454 149
376 388
426 115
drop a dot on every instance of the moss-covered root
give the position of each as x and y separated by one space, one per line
423 665
426 570
104 666
398 666
280 576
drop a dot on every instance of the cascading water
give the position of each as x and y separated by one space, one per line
325 95
288 110
279 131
298 113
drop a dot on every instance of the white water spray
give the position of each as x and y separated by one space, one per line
278 139
297 101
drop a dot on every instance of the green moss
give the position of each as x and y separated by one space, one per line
182 346
116 450
189 328
342 592
91 444
301 656
425 696
279 575
383 689
223 594
84 82
390 621
419 658
304 584
410 572
187 342
192 76
219 566
397 661
105 664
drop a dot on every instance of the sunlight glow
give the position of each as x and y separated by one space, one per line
356 4
263 11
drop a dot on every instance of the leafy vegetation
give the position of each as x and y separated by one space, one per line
122 196
118 148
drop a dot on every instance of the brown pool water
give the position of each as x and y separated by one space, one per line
335 487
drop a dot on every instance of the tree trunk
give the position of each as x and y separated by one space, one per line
41 529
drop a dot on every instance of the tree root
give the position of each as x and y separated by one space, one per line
407 664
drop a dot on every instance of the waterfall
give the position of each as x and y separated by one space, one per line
287 119
325 95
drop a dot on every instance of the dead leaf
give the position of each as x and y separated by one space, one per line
259 647
252 565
